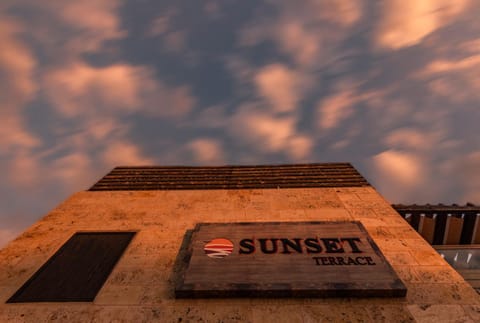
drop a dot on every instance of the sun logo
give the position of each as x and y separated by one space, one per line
218 248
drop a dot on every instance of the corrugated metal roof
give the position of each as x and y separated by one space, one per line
436 208
230 177
434 222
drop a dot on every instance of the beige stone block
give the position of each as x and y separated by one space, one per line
117 314
359 204
326 313
327 214
439 313
79 312
381 233
441 293
335 301
354 190
386 211
7 291
119 295
400 258
206 313
428 258
287 215
389 313
391 245
437 274
394 221
362 213
47 312
346 196
407 274
369 196
404 232
158 293
369 223
473 311
278 313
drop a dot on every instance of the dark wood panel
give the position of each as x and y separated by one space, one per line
284 259
77 271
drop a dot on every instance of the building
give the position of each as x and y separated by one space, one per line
127 249
453 230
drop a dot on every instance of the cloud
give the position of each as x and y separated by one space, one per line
302 44
163 27
398 173
279 85
406 22
6 235
412 139
24 170
455 80
470 176
403 167
72 171
80 89
335 108
305 33
17 69
299 147
268 132
124 153
14 134
207 151
441 66
162 23
90 22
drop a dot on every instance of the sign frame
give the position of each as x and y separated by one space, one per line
192 248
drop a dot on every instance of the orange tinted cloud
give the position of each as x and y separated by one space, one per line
411 139
124 153
92 22
307 32
80 89
207 151
271 133
406 22
398 173
335 108
279 85
18 86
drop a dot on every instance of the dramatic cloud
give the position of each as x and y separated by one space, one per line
410 139
67 29
470 175
123 153
397 173
307 33
391 86
335 108
80 89
279 85
267 132
73 170
207 151
407 22
17 68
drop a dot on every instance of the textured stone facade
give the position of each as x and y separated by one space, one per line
140 288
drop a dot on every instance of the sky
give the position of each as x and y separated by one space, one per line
391 86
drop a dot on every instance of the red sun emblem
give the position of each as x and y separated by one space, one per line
218 248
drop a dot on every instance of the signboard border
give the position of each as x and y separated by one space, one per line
281 290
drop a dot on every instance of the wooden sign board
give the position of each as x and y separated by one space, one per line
285 259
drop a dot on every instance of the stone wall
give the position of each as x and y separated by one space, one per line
140 288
